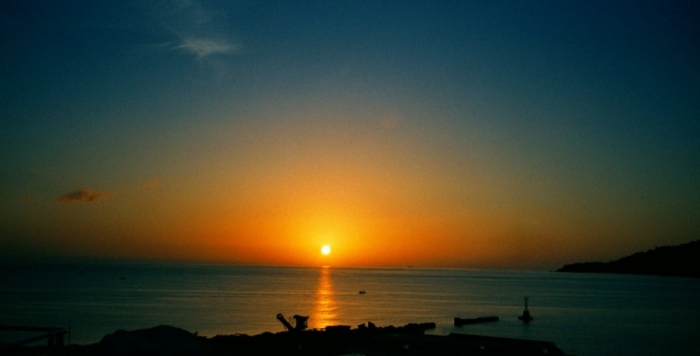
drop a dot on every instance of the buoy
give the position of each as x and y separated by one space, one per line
526 317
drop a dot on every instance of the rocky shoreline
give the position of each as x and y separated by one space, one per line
339 340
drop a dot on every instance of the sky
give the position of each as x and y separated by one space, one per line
447 134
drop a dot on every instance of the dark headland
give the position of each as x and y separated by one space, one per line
679 261
334 340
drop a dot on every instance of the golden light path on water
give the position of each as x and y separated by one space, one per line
325 308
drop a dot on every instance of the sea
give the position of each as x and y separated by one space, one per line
583 314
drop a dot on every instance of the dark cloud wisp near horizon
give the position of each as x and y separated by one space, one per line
83 196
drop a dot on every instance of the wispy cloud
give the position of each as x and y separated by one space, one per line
149 185
200 32
83 196
205 47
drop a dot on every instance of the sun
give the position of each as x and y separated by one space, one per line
326 250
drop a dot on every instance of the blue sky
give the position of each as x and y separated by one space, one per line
499 134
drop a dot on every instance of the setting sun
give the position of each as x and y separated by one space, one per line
326 250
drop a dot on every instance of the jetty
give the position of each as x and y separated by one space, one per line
54 336
482 319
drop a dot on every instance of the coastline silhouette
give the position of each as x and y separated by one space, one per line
679 261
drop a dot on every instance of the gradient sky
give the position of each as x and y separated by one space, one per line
477 134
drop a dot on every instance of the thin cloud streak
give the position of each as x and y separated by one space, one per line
198 31
205 47
149 185
83 196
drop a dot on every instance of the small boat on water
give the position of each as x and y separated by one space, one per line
467 321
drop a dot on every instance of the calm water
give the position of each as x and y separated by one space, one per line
583 314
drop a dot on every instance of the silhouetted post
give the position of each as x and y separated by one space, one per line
526 317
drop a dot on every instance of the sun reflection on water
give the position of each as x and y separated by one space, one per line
325 309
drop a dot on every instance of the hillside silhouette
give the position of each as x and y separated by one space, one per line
680 260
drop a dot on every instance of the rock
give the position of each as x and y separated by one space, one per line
161 340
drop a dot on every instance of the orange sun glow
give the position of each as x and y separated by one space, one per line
325 250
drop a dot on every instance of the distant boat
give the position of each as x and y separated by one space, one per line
482 319
362 292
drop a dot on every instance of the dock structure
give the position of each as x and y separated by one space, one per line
300 322
54 336
407 340
467 321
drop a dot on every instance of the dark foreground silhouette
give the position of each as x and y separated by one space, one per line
334 340
680 261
